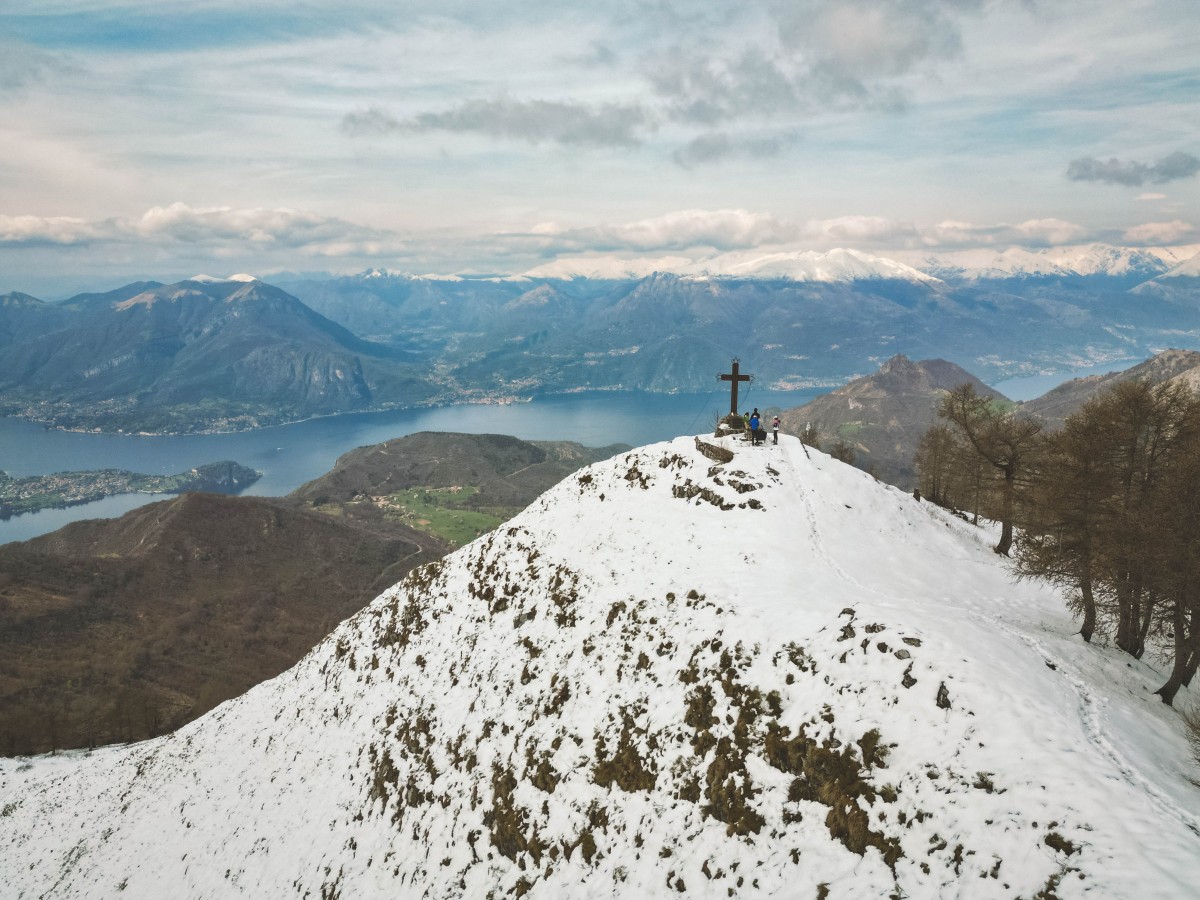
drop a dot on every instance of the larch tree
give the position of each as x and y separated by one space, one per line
1000 438
1069 485
1113 513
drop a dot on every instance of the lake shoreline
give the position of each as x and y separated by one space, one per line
292 454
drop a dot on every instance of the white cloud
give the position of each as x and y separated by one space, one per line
854 230
865 39
221 229
722 229
222 224
1048 232
51 230
1151 196
718 145
1158 234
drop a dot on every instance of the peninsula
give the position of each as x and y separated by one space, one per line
62 489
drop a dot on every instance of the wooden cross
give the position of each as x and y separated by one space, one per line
734 377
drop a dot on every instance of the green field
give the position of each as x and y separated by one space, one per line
445 513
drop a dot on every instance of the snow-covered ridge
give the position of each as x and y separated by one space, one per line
839 265
670 676
1188 268
1059 262
842 265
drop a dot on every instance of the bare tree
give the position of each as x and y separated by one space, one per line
1114 513
934 462
1069 485
1000 438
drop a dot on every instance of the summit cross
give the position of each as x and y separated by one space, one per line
734 377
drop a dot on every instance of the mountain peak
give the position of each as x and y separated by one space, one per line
18 299
899 365
664 676
1084 260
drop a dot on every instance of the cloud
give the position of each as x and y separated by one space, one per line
216 228
22 66
60 230
810 55
1049 232
859 230
709 69
861 40
719 145
1158 234
370 122
1174 167
183 25
705 89
1151 196
722 229
222 224
533 121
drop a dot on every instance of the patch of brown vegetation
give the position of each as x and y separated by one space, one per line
118 630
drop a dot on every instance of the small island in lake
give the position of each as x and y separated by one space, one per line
62 489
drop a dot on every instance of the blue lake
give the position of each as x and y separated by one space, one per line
289 455
1028 387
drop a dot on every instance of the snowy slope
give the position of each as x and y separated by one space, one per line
833 266
668 677
1188 268
1058 262
839 265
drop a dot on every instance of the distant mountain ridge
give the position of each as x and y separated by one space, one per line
833 266
883 416
1055 405
235 353
1092 260
199 354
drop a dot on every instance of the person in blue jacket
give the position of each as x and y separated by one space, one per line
754 423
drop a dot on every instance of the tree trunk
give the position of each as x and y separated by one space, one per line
1184 652
1127 618
1147 613
1006 516
1190 672
1089 602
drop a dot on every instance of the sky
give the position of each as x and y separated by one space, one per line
165 139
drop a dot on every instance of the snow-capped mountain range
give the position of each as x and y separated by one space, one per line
843 265
697 669
1086 260
839 265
